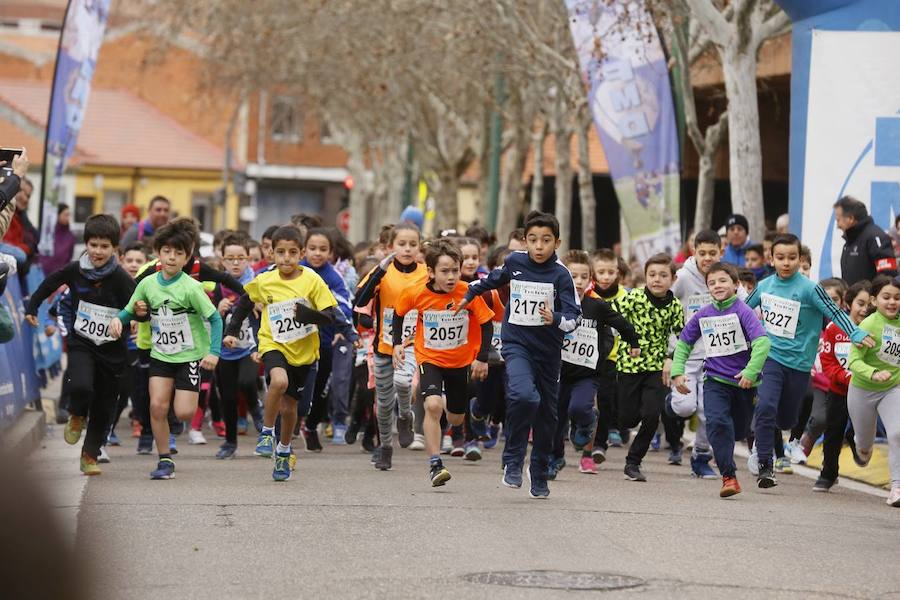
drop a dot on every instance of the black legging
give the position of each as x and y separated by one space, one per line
232 378
320 396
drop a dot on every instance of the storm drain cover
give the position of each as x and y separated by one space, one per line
556 580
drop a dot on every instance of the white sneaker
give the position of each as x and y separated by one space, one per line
196 437
446 444
753 462
104 457
418 442
894 498
794 450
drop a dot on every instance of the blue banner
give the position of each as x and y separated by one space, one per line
19 383
630 98
76 59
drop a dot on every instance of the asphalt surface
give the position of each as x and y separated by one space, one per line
340 529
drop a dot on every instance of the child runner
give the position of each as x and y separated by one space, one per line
644 380
542 308
583 353
792 309
238 369
393 385
446 345
835 356
295 302
873 390
735 350
99 288
178 306
470 250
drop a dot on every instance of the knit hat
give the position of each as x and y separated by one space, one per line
414 215
737 220
131 209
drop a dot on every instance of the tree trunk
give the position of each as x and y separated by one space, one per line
563 211
511 185
744 152
706 172
537 182
586 186
446 203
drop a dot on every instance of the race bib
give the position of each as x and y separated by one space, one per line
581 347
285 327
387 325
780 315
171 333
526 298
890 345
722 336
496 340
245 335
92 322
445 331
842 353
694 303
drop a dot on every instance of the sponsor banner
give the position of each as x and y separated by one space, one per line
19 383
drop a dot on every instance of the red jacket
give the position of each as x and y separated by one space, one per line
835 354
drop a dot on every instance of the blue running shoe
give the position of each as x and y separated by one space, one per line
172 448
165 469
265 446
282 470
539 489
226 451
582 436
494 437
242 426
675 456
479 425
512 476
654 443
113 439
700 467
472 451
339 431
614 439
556 465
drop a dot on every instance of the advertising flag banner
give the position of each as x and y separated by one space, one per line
630 97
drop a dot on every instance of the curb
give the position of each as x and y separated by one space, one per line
25 435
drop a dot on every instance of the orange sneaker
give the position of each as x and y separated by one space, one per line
730 487
136 429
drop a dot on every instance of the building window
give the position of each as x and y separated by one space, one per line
202 210
84 208
286 120
114 200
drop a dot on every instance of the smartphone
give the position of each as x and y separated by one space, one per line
6 156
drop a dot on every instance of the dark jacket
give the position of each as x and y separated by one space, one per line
868 252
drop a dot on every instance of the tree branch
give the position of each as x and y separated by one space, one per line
712 21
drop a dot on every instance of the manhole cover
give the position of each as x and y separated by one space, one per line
556 580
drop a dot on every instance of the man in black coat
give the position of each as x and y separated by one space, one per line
868 250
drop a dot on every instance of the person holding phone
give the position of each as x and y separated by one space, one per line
15 166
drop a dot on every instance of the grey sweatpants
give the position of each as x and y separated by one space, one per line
393 387
865 407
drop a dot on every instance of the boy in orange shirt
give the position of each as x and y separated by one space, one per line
446 345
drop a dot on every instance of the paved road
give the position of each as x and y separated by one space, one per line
340 529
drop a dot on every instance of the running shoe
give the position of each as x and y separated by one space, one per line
582 436
312 440
753 462
598 456
675 456
89 465
494 437
376 452
165 469
614 439
62 415
352 432
226 450
823 484
783 466
766 478
338 434
72 432
383 463
368 443
113 440
265 446
219 428
730 487
472 451
173 449
103 457
587 465
458 449
861 457
556 465
293 461
794 451
512 476
282 470
479 425
806 444
145 444
418 442
195 437
439 474
329 430
242 425
700 467
654 443
539 489
446 444
136 429
894 497
405 430
633 473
